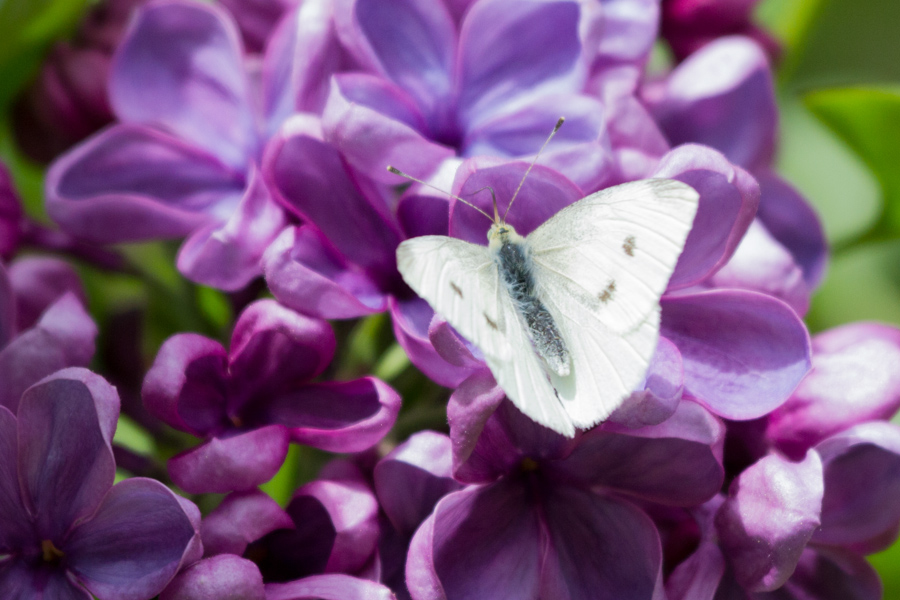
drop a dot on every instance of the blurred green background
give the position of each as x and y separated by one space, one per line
839 95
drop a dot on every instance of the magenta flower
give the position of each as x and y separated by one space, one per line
67 532
249 402
545 516
182 161
488 77
799 526
688 25
43 324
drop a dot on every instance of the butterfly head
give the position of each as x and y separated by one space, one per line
502 233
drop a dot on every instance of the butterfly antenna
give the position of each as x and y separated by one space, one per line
397 171
493 200
536 156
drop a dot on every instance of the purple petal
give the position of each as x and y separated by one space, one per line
698 577
8 308
638 144
10 215
38 281
63 337
335 530
134 544
859 510
227 256
830 574
19 580
761 264
289 84
676 463
487 543
744 352
15 526
479 457
411 320
621 42
363 113
413 477
452 347
131 183
543 194
728 200
413 42
581 150
313 181
510 52
241 518
223 577
189 57
771 512
185 387
600 548
306 273
794 223
661 394
723 96
66 464
328 587
237 463
421 579
855 378
349 416
424 210
275 350
257 19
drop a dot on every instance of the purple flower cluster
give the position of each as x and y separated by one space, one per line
752 463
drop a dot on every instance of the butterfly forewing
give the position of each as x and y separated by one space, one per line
614 251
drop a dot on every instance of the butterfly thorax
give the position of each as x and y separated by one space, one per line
512 255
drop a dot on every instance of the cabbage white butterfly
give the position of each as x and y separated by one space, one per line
567 318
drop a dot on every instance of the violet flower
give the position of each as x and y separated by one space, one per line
249 402
723 96
229 577
688 25
67 531
43 324
488 77
68 101
798 526
545 516
182 160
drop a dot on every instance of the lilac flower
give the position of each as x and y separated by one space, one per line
726 339
43 324
723 96
229 577
476 78
67 532
688 25
182 160
10 215
248 403
68 101
545 516
257 19
798 527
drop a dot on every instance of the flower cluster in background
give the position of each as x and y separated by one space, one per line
297 424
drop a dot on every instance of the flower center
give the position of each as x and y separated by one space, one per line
51 552
529 464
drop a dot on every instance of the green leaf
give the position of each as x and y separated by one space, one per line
868 120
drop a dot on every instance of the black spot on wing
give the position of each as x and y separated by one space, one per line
607 294
456 289
491 323
629 245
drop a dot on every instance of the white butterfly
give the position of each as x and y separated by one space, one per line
567 317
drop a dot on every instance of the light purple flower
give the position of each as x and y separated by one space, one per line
43 324
257 19
68 101
545 516
688 25
66 530
488 81
249 402
182 161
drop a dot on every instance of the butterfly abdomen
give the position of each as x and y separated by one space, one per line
513 259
